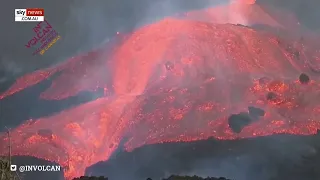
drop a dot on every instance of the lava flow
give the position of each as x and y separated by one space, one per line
180 80
84 67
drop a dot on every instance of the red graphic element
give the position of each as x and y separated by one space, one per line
35 12
42 29
175 80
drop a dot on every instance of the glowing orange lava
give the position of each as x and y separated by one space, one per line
174 80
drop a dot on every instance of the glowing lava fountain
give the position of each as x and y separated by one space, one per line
177 80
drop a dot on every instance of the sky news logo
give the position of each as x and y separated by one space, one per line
29 15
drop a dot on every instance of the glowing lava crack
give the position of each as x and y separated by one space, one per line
179 80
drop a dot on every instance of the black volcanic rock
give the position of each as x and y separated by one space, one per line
304 78
238 121
271 96
256 112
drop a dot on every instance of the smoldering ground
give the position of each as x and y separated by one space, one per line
260 158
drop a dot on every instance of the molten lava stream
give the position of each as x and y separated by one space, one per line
173 74
85 72
75 138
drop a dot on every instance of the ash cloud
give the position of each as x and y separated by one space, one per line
95 23
9 69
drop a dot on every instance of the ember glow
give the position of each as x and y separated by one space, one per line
174 80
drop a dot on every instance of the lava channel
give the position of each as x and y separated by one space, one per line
180 80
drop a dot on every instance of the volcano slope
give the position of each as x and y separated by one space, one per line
237 12
176 80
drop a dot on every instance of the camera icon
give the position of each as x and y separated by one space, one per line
13 168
